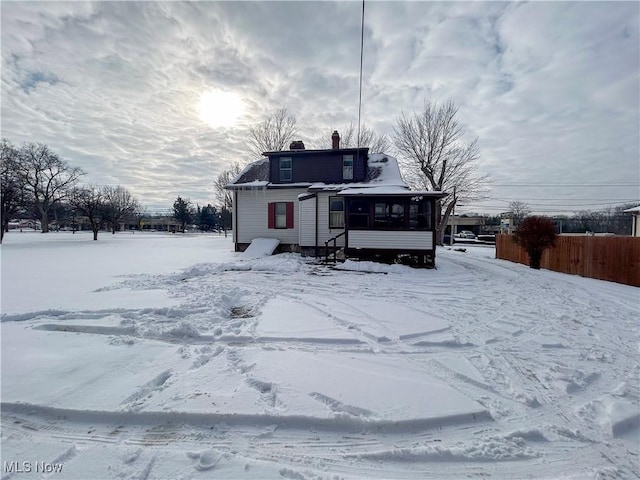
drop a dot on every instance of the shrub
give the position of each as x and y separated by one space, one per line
535 234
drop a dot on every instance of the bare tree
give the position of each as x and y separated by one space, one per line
12 190
47 178
225 177
224 196
91 203
140 214
606 220
121 204
518 211
433 156
273 134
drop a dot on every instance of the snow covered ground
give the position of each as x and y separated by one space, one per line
159 356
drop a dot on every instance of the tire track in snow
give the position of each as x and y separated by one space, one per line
306 445
330 424
550 376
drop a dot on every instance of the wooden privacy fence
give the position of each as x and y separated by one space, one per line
616 259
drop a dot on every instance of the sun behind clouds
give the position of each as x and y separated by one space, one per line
220 109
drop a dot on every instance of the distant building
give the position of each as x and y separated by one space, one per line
635 229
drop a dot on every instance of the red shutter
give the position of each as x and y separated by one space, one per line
289 214
271 217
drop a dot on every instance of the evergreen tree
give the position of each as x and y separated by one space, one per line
207 218
183 212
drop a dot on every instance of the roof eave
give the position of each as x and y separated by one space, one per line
316 152
409 193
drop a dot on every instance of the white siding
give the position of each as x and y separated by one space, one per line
234 218
324 232
252 214
307 222
383 239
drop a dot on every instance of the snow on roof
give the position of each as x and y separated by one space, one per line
382 171
254 174
290 185
255 183
632 210
390 190
375 190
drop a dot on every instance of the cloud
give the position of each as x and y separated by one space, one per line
549 88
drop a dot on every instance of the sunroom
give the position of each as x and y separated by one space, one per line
388 223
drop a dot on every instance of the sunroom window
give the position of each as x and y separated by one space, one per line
359 214
389 215
420 215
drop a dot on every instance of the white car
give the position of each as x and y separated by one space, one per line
466 234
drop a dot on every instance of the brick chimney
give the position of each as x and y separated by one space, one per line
335 140
296 145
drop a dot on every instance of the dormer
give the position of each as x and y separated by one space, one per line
337 165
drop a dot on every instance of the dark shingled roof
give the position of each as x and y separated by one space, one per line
256 171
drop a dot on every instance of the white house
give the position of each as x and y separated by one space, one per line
316 201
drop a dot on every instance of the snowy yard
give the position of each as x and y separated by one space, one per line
158 356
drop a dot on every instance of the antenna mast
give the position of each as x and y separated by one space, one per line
361 51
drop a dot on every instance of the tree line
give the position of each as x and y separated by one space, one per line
206 219
606 220
36 181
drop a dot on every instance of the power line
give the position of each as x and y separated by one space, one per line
563 185
563 199
571 202
503 208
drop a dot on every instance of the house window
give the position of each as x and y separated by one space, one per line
389 215
359 214
280 215
285 169
420 215
347 167
336 212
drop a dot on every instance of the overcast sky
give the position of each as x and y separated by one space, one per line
551 89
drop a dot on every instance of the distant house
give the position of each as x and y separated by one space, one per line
635 229
318 200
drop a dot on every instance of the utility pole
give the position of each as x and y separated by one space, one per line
454 227
224 217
